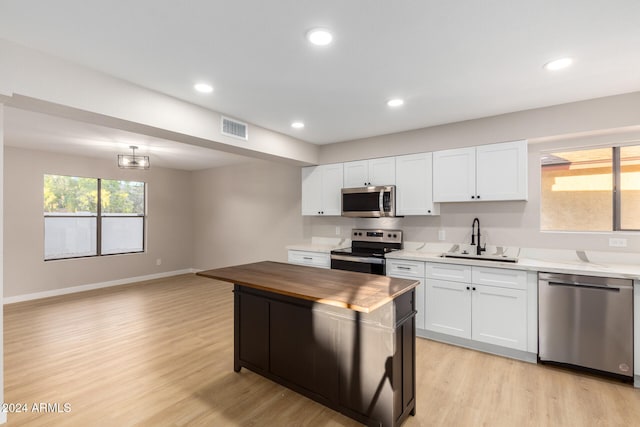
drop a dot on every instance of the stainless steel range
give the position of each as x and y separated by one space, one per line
367 251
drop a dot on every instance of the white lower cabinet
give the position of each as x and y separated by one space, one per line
448 308
499 316
466 307
312 259
411 270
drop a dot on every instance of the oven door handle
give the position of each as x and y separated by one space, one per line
366 260
381 202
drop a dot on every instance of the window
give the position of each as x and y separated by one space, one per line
591 190
630 188
91 217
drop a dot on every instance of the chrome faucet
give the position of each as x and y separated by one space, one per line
479 248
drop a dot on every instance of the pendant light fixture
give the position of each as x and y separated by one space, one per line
132 161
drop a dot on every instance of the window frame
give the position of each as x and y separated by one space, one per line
616 194
99 216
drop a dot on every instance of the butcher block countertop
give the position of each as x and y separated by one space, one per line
356 291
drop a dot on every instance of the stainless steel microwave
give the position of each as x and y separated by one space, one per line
369 202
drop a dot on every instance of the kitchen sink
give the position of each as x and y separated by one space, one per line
483 257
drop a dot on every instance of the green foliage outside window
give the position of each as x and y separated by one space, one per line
122 197
70 194
75 195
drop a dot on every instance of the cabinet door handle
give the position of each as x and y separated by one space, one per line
474 288
478 196
468 288
429 211
473 197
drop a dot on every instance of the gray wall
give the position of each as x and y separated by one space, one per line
610 120
169 224
204 219
585 118
246 213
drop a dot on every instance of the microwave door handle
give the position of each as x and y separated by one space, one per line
381 202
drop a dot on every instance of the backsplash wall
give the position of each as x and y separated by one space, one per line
501 225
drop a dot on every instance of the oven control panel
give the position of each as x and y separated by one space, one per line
376 235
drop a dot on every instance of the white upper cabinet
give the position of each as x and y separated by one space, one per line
332 177
484 173
454 175
311 190
382 171
414 185
501 171
363 173
356 174
321 189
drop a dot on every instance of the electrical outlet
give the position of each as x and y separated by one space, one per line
337 231
159 261
442 235
617 242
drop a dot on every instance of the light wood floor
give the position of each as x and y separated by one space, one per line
159 353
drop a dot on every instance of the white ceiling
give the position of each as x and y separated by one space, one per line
451 61
26 129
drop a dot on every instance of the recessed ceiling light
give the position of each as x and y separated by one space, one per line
203 87
395 102
297 125
558 64
319 36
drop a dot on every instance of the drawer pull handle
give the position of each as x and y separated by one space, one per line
307 257
403 268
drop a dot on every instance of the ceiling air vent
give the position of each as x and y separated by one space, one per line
234 128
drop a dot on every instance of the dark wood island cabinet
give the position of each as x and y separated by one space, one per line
344 339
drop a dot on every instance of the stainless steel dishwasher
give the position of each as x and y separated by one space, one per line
586 321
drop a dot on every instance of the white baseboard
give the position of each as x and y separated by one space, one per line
91 286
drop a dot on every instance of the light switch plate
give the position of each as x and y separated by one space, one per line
442 235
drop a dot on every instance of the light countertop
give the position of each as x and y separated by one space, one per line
311 247
605 264
623 265
321 244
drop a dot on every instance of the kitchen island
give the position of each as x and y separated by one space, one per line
343 339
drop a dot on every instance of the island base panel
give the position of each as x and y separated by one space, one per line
360 364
